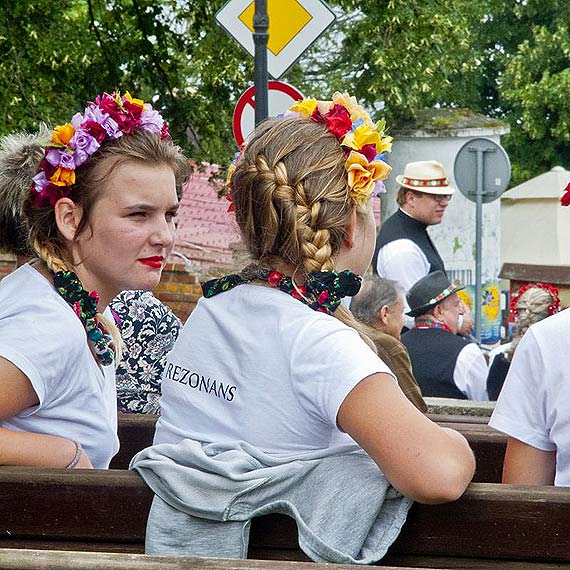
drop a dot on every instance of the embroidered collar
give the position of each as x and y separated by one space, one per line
84 305
428 322
322 291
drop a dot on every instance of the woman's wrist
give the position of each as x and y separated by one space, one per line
77 457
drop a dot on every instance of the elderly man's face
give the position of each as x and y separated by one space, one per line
449 311
395 318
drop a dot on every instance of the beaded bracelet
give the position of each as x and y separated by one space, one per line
77 457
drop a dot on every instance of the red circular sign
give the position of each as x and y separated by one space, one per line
282 95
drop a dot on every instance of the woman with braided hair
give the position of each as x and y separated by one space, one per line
100 218
532 303
272 390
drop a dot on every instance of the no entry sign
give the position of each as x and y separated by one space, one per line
281 97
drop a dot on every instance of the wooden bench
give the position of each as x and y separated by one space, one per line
107 510
136 432
17 559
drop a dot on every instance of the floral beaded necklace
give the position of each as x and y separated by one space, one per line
84 305
322 291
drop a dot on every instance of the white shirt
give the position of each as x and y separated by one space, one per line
470 373
533 405
403 261
42 336
254 364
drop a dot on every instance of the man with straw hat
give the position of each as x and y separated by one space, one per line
404 250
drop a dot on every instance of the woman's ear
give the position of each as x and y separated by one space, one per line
67 217
350 230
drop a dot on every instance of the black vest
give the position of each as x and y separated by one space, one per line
433 353
402 226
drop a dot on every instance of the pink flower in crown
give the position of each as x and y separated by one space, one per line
369 151
165 131
76 308
106 103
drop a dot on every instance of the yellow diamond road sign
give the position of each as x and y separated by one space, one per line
293 26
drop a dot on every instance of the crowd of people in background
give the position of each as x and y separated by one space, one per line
272 375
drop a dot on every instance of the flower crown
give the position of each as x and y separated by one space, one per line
553 308
364 143
109 117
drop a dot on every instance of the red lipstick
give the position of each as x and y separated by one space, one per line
155 262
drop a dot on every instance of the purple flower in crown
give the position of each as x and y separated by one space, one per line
97 115
379 188
151 120
41 181
61 157
84 144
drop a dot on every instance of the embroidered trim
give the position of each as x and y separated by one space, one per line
84 305
435 182
445 293
323 290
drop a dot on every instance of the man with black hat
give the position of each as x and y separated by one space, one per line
445 365
404 250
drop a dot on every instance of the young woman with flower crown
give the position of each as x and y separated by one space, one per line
100 215
272 379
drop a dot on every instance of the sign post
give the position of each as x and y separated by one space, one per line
482 173
260 37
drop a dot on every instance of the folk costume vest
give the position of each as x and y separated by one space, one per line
434 353
402 226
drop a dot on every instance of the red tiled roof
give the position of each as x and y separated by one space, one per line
205 228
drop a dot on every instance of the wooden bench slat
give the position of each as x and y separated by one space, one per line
489 521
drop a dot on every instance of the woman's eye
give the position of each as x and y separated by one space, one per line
171 216
137 214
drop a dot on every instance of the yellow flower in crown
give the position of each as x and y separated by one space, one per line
62 134
363 175
351 105
63 177
138 102
361 136
305 106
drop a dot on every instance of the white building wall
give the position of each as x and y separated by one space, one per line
455 236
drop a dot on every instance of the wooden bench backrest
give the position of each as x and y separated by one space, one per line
137 430
107 511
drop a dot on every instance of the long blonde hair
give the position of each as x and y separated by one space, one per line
292 200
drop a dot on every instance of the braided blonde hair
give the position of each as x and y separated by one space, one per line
292 200
533 306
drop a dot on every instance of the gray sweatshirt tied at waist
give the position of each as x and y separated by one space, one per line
206 495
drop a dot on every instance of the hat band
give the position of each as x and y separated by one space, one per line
445 293
434 182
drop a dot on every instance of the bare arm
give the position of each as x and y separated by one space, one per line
527 465
27 448
423 461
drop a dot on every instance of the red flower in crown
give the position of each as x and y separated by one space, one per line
565 199
337 120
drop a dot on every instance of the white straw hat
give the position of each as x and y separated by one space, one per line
425 176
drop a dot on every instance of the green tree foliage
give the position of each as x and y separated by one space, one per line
57 54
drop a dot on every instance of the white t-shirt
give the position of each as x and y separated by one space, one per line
254 364
533 405
42 336
470 373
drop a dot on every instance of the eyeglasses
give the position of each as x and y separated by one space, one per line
439 198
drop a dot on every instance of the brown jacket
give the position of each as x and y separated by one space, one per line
395 355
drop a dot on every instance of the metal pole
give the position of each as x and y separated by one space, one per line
478 243
260 37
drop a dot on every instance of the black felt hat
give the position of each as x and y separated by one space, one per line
428 292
